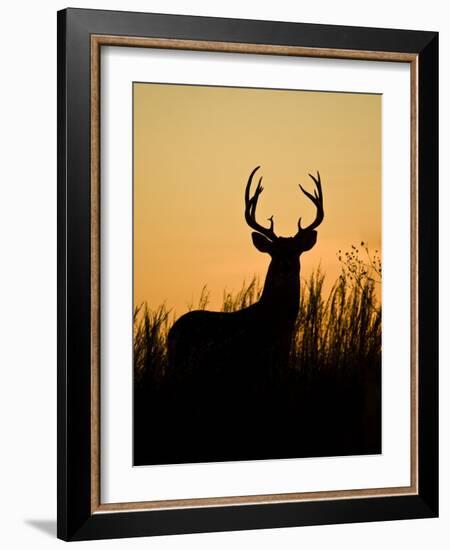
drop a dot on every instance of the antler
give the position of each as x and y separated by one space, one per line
250 209
317 200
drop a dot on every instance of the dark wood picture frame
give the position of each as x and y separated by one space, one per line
81 34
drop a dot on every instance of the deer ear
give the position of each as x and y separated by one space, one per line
308 240
261 243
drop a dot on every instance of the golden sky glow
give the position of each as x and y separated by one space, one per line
194 148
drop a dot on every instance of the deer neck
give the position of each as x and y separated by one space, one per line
281 292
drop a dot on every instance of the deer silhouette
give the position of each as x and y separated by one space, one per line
249 349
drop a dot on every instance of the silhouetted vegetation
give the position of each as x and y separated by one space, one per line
329 404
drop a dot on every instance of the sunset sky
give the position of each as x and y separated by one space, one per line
194 148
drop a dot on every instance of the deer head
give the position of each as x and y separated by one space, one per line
265 239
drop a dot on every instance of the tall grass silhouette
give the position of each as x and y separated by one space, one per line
334 365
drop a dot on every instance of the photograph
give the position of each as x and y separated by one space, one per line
257 273
247 274
224 287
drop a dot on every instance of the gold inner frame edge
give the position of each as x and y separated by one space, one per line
97 41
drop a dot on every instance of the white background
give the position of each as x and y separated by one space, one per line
28 277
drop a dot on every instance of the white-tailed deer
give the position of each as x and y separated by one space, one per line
249 348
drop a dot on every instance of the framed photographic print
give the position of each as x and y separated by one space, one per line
247 254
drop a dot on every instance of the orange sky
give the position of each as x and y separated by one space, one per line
194 147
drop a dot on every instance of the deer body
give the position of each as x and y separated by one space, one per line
250 346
